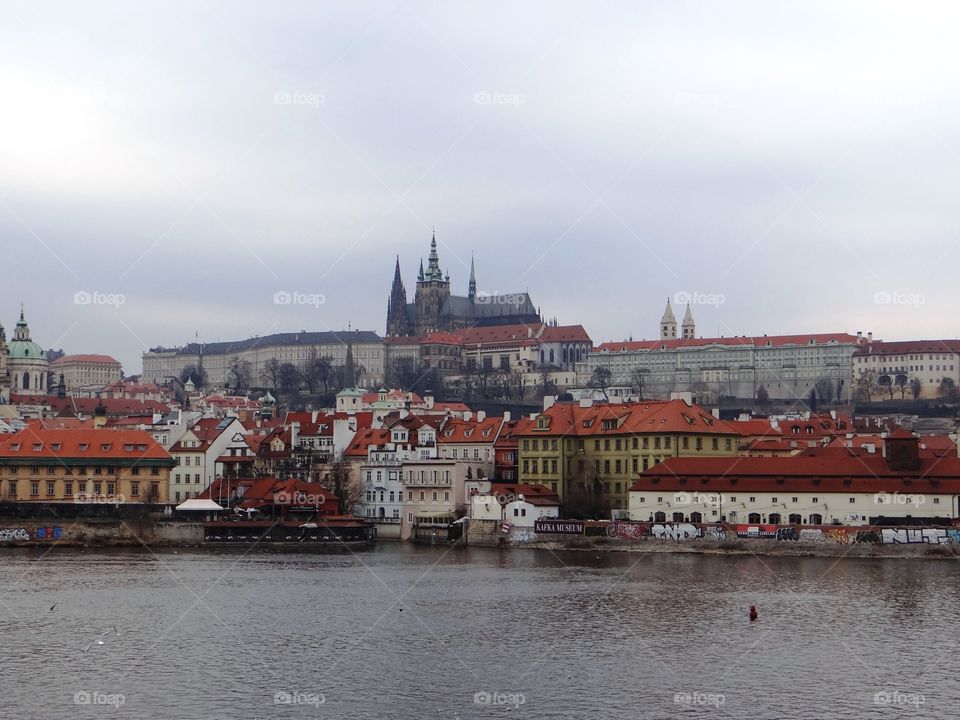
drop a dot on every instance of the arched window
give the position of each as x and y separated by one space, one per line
563 354
660 517
678 517
753 518
795 519
816 519
541 357
696 517
26 381
774 518
551 356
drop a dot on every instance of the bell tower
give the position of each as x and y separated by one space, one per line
433 289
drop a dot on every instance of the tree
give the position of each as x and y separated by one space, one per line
948 390
812 401
866 385
271 372
338 479
546 386
824 388
239 373
401 373
916 387
763 397
288 378
197 375
316 371
885 384
638 379
600 380
901 382
583 496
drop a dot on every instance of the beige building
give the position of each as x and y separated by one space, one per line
86 372
907 369
218 360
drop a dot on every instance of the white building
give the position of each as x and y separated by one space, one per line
196 454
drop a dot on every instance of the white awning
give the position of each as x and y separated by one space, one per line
198 505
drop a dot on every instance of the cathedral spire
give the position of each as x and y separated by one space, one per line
420 275
397 323
433 262
472 290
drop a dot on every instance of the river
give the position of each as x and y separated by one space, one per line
402 632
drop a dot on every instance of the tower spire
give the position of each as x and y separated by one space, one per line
472 290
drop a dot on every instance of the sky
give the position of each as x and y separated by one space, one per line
172 171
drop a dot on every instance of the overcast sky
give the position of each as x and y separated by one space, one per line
791 167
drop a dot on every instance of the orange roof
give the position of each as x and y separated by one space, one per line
442 338
82 443
882 348
65 359
663 416
364 439
456 430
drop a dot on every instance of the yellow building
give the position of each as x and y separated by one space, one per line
594 452
79 467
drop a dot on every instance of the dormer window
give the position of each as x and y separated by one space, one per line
55 447
37 447
128 447
84 446
105 447
15 447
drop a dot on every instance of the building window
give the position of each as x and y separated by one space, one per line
51 489
34 488
51 470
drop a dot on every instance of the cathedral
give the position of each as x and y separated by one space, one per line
435 309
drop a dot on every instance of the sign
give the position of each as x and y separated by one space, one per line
558 527
757 531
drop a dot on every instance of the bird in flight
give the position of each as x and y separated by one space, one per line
99 640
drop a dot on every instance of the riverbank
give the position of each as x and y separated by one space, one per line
753 546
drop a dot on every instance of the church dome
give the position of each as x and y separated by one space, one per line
25 349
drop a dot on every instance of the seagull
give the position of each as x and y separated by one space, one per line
52 607
99 641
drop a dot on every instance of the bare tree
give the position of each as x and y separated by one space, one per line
901 382
271 372
239 373
638 380
401 373
916 387
197 375
337 477
763 397
600 380
288 378
885 384
824 388
867 384
948 390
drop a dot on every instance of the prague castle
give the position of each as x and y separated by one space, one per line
434 308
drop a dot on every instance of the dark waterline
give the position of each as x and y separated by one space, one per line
401 632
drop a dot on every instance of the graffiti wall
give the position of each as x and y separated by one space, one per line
25 534
904 536
14 534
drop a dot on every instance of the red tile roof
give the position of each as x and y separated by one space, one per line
65 359
904 347
81 443
457 430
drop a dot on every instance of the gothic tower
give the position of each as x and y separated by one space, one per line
668 324
397 323
433 289
689 328
472 290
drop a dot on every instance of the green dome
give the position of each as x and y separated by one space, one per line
25 349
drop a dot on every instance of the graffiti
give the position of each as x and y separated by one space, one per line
954 536
680 531
14 534
867 536
904 536
717 533
838 535
812 535
627 531
788 533
522 535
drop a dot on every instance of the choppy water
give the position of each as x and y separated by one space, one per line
402 632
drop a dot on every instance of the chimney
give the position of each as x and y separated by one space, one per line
294 433
869 337
716 413
468 416
506 416
481 416
584 402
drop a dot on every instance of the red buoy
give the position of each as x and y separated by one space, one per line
753 613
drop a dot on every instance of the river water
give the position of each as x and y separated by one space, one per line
406 632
